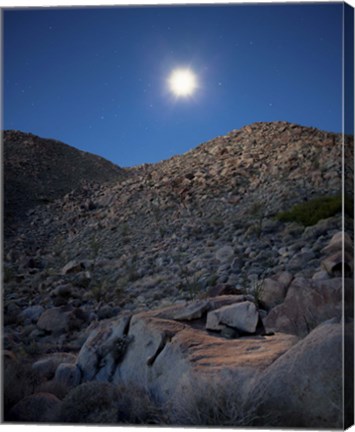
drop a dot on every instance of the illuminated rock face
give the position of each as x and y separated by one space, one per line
170 358
159 352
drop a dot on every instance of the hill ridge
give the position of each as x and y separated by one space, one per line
39 170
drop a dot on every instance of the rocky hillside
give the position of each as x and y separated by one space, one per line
38 170
192 262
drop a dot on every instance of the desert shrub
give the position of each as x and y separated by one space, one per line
102 402
211 402
8 274
19 381
35 408
256 212
98 290
137 406
310 212
91 402
256 290
94 247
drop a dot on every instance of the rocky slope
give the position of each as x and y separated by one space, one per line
38 170
184 262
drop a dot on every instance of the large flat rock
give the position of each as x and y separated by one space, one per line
161 353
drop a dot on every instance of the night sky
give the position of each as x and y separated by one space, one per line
97 78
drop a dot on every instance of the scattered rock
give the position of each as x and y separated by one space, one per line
225 254
47 366
32 313
73 267
63 290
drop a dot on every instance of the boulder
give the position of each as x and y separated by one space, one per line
336 244
300 260
68 374
195 309
192 311
284 278
73 267
308 303
321 274
303 387
225 254
334 263
334 260
272 293
61 319
62 290
47 366
224 288
225 300
32 313
241 316
54 320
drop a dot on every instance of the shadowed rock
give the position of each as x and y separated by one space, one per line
303 387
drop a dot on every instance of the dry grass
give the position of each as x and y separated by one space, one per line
212 402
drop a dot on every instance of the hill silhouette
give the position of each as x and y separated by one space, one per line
38 170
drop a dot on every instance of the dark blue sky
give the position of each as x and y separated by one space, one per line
96 78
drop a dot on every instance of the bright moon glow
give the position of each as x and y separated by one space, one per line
182 82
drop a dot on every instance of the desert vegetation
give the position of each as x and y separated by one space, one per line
310 212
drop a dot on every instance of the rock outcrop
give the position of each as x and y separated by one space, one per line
159 353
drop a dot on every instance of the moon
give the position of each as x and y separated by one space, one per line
182 82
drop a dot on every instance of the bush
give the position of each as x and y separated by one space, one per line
91 402
19 381
105 403
310 212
